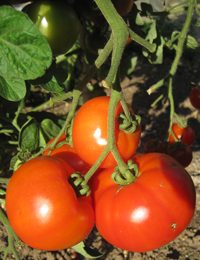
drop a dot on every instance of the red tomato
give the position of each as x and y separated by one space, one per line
148 213
195 97
154 146
187 134
180 152
43 208
69 155
89 133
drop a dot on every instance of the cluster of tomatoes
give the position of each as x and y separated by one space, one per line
46 211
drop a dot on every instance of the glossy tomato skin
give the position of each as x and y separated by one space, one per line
182 153
89 133
69 155
43 208
187 134
57 21
195 97
148 213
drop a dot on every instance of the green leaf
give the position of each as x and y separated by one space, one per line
12 89
24 51
151 36
51 80
127 65
37 131
86 251
50 128
191 42
52 86
29 136
135 16
157 57
2 192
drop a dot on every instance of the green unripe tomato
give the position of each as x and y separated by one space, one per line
57 21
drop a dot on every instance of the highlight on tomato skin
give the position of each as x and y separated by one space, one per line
43 208
148 213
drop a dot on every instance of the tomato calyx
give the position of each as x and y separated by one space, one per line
126 177
128 125
79 184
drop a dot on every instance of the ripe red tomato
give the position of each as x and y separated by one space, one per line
195 97
148 213
89 133
123 6
187 134
43 208
180 152
69 155
154 146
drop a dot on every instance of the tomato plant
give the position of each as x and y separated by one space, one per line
151 211
69 155
153 146
43 208
57 21
185 134
195 97
89 133
106 133
182 152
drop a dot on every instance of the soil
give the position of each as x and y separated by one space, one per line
155 122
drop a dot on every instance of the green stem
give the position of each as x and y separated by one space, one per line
171 100
120 34
7 131
182 38
149 46
171 11
179 50
111 146
177 5
14 122
197 7
125 108
52 101
97 64
157 100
